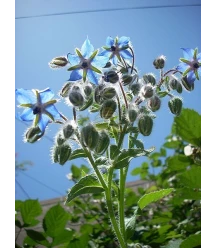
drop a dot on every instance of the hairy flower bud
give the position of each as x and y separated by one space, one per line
97 93
175 105
127 79
149 78
179 87
108 93
68 130
145 124
58 62
135 88
188 86
159 62
108 108
65 89
76 98
88 88
154 103
111 77
89 136
60 154
173 82
147 91
60 139
103 143
132 112
33 134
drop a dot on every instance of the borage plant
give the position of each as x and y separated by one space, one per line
108 84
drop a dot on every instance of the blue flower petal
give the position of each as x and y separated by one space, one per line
92 76
109 41
100 61
191 77
114 60
25 96
87 49
73 59
188 53
43 122
46 95
75 75
125 54
105 53
27 115
199 71
53 111
123 41
182 67
199 57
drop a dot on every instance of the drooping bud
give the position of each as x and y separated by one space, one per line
127 79
103 143
88 88
132 112
179 88
33 134
145 124
154 103
58 62
60 139
89 136
76 98
159 62
188 86
135 88
175 105
108 108
60 154
111 77
173 82
147 91
108 64
68 130
97 93
149 78
108 93
65 89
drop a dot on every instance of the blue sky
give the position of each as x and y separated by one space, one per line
153 31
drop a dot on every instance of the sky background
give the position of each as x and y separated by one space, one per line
153 31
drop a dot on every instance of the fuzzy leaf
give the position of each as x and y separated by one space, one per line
78 153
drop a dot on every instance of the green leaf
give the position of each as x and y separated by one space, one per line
163 152
38 237
95 107
29 210
78 153
172 144
18 205
187 193
114 151
86 185
18 223
136 142
130 224
80 242
126 156
162 94
76 172
101 161
64 237
192 241
179 162
101 126
191 178
87 104
55 221
188 126
136 171
153 197
173 244
28 241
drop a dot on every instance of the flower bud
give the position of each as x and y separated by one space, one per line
108 108
154 103
132 112
76 98
68 131
179 87
88 88
65 89
108 93
61 154
147 91
103 143
60 139
108 64
159 62
111 77
135 88
149 78
58 62
127 79
97 93
33 134
188 86
145 124
175 105
89 136
173 83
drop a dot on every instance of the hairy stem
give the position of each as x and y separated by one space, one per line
133 59
123 93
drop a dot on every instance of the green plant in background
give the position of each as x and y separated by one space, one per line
107 83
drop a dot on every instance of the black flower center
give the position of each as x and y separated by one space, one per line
196 65
36 110
113 48
84 64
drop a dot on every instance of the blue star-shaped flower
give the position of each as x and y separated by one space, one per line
86 60
39 107
191 64
116 49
